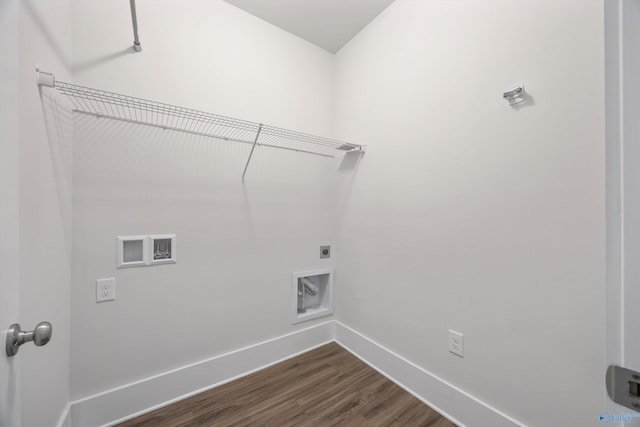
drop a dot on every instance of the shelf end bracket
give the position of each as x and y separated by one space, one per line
45 79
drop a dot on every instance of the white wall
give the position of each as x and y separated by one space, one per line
465 213
470 215
237 244
44 209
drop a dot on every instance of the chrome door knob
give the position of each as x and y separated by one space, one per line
16 337
42 333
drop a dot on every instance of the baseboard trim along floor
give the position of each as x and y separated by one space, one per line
65 419
131 400
456 405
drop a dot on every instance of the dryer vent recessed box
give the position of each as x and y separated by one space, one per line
312 294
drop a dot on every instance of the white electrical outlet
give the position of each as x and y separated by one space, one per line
105 289
456 344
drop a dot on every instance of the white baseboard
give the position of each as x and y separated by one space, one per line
131 400
122 403
453 403
65 418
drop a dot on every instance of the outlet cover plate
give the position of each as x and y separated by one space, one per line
105 290
456 343
325 251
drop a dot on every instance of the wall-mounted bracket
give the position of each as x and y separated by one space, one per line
45 79
350 147
515 95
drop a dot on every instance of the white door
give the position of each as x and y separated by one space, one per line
622 44
631 183
9 281
35 212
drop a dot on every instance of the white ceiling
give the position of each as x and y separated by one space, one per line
329 24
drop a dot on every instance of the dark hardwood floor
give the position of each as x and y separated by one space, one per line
327 386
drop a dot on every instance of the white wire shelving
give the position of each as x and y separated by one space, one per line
101 103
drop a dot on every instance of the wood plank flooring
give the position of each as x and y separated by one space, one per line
327 386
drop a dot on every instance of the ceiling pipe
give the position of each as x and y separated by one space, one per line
136 41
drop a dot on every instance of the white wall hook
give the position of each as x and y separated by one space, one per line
515 95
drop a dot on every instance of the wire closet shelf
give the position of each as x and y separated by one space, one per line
101 103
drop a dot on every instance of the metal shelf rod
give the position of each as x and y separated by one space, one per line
134 20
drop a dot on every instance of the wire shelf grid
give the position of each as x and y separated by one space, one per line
127 108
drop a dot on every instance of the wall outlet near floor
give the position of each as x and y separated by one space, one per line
456 345
105 289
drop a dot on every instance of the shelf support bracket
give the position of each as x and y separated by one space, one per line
255 142
45 79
